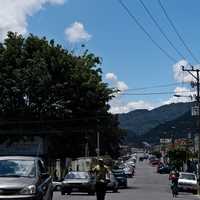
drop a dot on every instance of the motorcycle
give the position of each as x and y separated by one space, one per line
174 189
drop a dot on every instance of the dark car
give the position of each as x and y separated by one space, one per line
76 181
112 183
160 165
121 177
24 178
164 169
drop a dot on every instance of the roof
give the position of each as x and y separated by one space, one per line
19 158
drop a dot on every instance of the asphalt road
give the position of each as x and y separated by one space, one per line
146 185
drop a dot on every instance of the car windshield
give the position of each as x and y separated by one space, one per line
17 168
188 176
77 175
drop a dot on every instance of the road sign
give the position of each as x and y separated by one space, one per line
165 140
195 111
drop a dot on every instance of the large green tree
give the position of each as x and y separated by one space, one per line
42 81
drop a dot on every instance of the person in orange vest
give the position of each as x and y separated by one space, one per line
101 171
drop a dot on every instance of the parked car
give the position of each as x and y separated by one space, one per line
112 183
155 162
164 169
76 181
129 171
121 177
57 184
151 158
24 178
160 165
131 163
187 182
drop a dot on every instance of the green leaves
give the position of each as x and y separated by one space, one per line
39 80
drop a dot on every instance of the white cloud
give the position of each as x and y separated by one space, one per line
120 85
118 107
77 33
111 77
116 104
184 95
179 74
14 13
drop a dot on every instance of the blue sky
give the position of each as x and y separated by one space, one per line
130 59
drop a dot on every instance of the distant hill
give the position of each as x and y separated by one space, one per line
140 122
178 128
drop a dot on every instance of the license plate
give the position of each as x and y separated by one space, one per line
75 189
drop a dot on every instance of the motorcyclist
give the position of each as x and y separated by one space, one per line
174 175
101 171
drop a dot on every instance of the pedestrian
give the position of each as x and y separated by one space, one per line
101 171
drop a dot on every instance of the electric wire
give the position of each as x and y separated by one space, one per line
160 29
177 32
145 31
155 86
153 93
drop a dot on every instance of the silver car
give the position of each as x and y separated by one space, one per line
78 182
24 178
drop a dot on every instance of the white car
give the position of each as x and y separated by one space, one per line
188 182
131 163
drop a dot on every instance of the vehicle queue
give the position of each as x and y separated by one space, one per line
27 177
79 181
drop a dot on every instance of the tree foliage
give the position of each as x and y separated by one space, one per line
177 157
41 81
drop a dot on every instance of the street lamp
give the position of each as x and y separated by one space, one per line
178 95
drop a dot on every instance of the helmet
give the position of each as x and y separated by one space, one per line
100 161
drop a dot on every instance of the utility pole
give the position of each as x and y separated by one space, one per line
98 139
164 149
98 144
195 74
86 147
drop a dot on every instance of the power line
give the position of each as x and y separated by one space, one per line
161 30
177 32
155 86
145 31
153 93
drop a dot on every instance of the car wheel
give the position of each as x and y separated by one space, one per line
91 193
115 190
195 192
58 188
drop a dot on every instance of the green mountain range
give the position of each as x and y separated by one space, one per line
141 124
182 127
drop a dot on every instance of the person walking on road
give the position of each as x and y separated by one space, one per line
101 171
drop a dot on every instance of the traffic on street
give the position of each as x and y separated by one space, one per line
145 184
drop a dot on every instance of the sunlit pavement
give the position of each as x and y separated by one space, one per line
146 185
